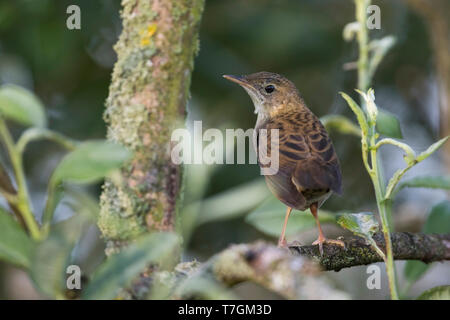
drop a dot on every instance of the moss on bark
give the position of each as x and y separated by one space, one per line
147 100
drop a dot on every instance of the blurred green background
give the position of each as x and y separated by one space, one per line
70 71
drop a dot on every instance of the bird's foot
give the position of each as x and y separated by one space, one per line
321 240
284 244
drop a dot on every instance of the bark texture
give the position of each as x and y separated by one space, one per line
276 269
406 246
147 100
296 273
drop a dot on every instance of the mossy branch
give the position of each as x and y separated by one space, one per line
406 246
147 100
276 269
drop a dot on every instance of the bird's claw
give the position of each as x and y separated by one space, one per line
321 241
284 244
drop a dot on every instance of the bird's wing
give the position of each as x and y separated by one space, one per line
306 154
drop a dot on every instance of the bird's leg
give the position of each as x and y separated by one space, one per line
321 239
282 241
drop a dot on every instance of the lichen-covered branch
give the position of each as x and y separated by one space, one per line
406 246
293 273
147 100
292 277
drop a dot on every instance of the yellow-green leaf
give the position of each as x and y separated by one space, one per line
119 270
341 124
362 224
15 245
90 162
22 106
431 149
436 293
362 121
388 124
432 182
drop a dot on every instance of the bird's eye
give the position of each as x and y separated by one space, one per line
270 88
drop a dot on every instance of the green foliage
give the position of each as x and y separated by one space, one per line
360 116
269 217
230 204
87 163
90 162
341 124
15 246
22 106
52 256
431 149
47 258
362 224
436 293
438 221
120 269
432 182
388 125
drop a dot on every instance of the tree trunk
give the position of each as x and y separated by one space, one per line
147 100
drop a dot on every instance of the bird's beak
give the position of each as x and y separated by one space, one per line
238 79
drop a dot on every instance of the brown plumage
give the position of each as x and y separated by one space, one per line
309 170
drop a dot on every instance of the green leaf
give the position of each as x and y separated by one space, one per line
362 224
438 221
90 162
52 256
22 106
15 245
362 121
269 218
436 293
120 269
436 182
414 269
233 202
431 149
388 124
341 124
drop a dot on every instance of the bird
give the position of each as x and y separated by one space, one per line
309 170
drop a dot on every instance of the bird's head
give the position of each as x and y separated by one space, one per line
269 92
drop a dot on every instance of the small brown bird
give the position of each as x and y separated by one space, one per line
309 170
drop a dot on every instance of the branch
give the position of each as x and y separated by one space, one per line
147 100
406 246
292 277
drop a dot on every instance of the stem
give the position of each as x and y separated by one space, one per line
375 170
384 215
23 203
363 40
